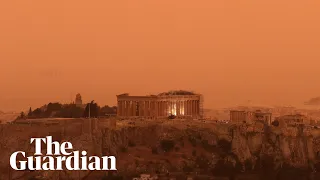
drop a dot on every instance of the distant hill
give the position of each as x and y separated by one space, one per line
313 102
8 117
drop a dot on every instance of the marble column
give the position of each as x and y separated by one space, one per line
199 108
123 108
165 105
196 107
146 105
191 107
133 109
152 109
178 108
162 108
140 108
159 108
146 108
182 108
129 108
119 108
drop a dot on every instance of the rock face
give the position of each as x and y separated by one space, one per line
166 148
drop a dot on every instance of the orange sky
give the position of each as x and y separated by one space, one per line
231 51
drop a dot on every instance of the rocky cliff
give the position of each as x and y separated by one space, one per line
180 146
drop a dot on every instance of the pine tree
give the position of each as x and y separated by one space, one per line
22 115
30 112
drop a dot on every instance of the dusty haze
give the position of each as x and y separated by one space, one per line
230 51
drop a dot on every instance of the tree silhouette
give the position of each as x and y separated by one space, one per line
93 108
37 113
30 112
107 110
57 110
70 111
52 108
22 115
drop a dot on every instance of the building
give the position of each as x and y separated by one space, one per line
263 116
292 119
177 103
250 116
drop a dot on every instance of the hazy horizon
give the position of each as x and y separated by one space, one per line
229 51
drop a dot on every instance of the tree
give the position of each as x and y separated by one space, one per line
107 110
37 113
275 123
53 108
30 112
22 115
167 145
70 111
93 108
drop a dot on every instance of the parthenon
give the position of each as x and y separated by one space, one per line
177 103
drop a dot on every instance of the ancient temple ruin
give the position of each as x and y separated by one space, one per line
177 103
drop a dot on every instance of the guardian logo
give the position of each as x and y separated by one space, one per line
63 158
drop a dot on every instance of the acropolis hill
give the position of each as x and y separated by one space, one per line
144 137
161 146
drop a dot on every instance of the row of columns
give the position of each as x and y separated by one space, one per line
158 108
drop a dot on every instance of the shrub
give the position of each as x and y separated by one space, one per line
193 141
131 144
176 149
116 178
184 156
167 145
194 153
33 178
154 150
224 145
275 123
199 136
207 146
182 144
187 169
202 162
123 149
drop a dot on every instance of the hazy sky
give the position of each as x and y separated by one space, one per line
231 51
